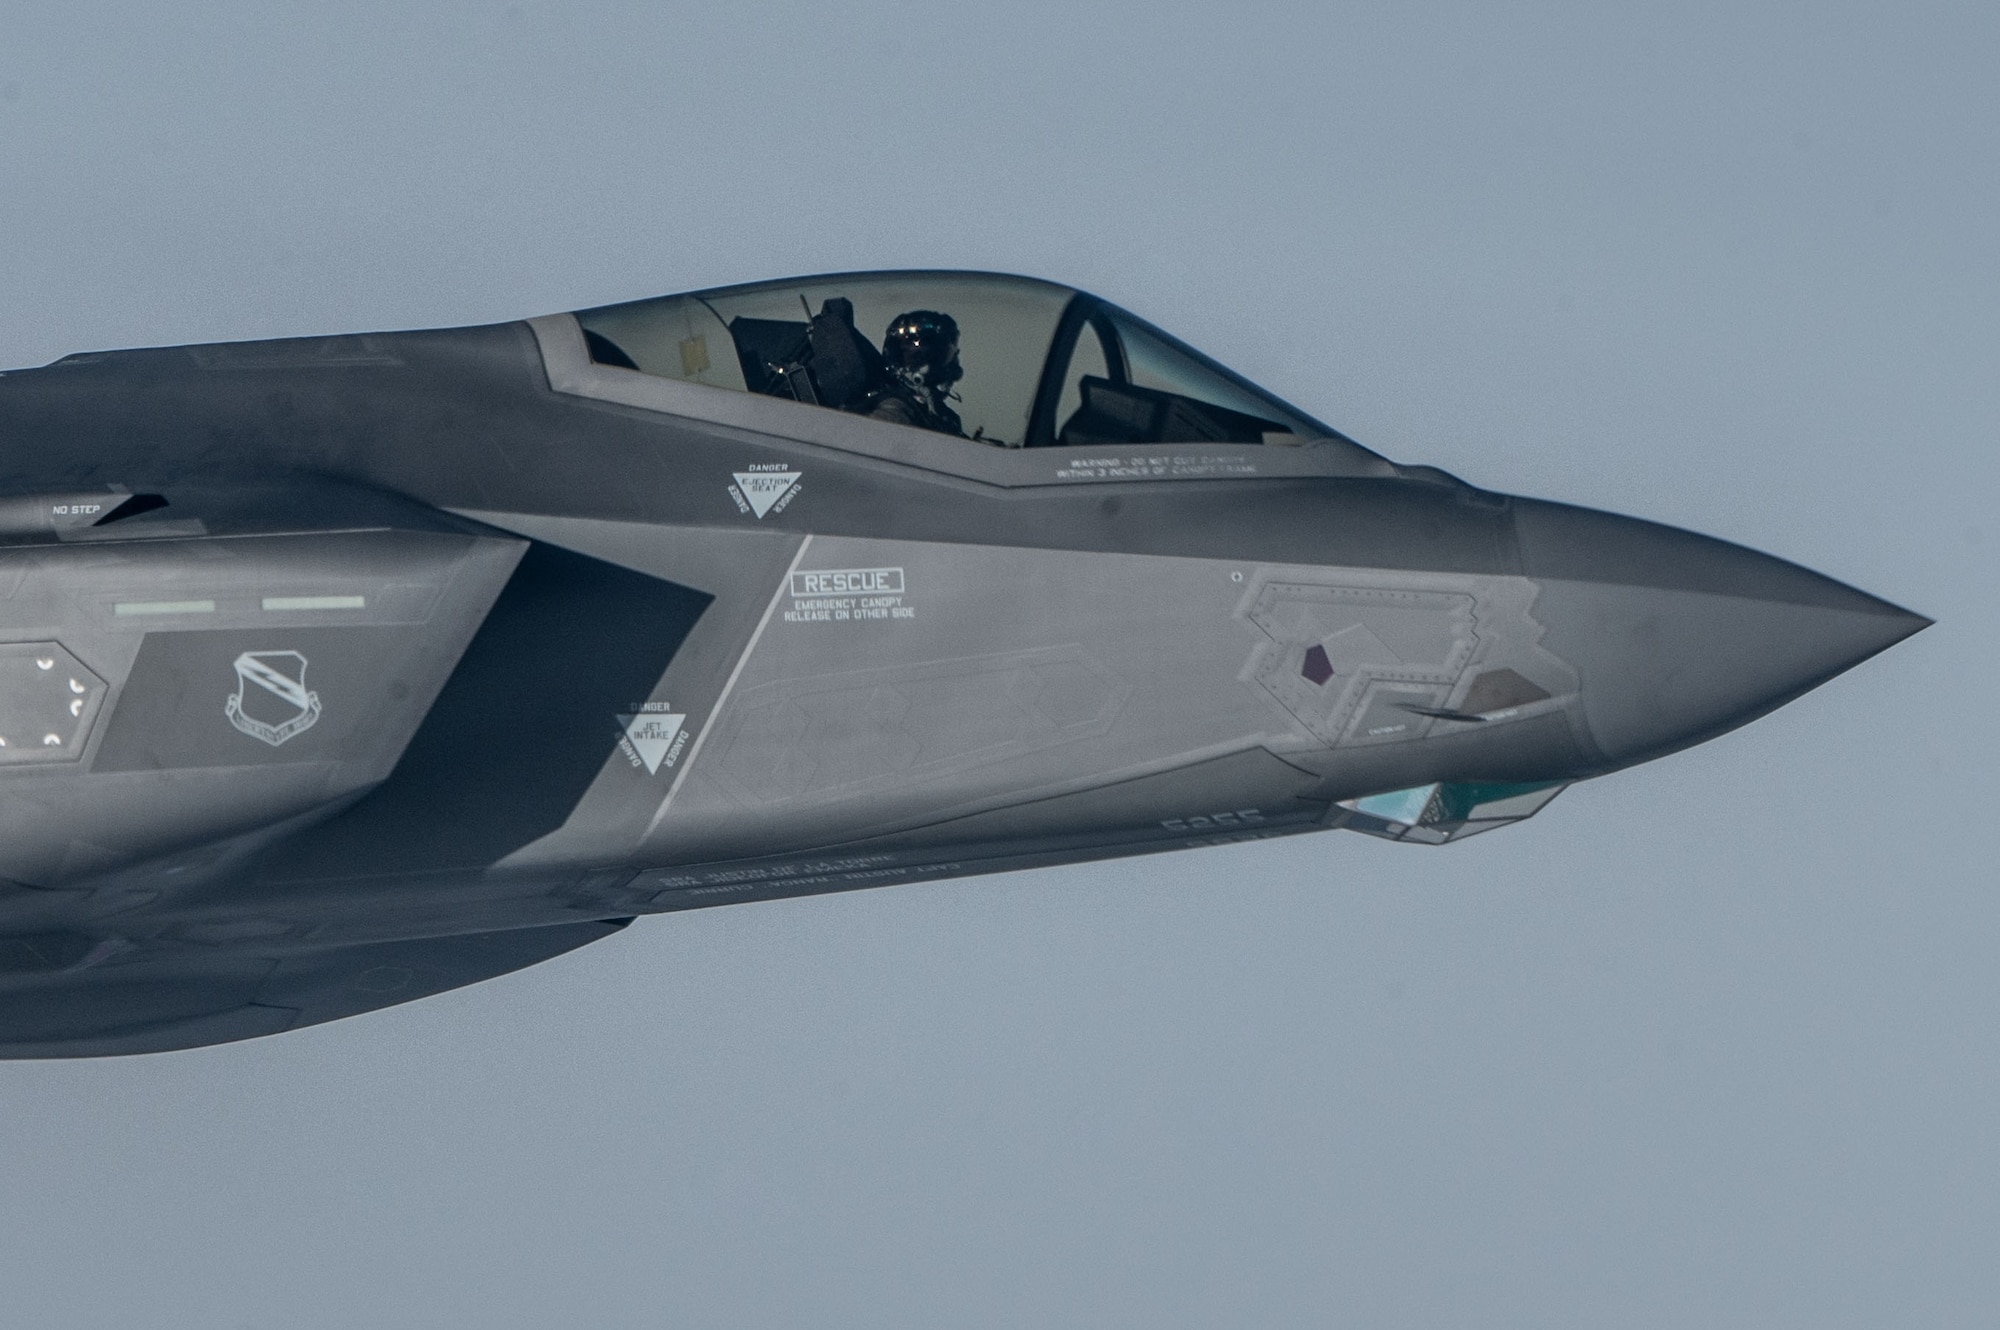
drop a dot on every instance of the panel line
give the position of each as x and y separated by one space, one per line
729 686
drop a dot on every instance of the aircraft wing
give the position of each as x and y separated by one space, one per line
63 996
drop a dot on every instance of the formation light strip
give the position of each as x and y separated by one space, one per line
274 604
315 602
126 607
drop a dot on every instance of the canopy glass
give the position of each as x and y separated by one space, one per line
1006 361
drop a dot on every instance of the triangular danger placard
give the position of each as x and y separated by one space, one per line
762 489
652 736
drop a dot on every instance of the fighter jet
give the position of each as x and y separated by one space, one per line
336 672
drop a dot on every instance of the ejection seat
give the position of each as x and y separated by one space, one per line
824 360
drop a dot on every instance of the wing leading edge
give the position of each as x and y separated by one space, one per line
161 997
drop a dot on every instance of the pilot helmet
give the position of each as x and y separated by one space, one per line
924 342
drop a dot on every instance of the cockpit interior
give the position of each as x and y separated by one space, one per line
1028 364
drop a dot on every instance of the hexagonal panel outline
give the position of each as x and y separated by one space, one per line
49 703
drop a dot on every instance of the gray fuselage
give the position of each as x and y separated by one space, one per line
449 651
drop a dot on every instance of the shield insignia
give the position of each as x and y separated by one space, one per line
271 702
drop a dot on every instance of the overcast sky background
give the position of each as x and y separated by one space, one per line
1711 1042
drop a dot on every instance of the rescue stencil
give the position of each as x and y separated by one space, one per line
848 595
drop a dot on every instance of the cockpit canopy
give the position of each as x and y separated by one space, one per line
1037 365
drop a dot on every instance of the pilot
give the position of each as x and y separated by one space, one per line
920 352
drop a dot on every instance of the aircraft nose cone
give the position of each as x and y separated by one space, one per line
1677 637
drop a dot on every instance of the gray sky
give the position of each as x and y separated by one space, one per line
1712 1042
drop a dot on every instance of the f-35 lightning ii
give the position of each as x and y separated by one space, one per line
337 672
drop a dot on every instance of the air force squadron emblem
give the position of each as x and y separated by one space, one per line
271 702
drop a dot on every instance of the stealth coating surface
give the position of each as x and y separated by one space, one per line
336 672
